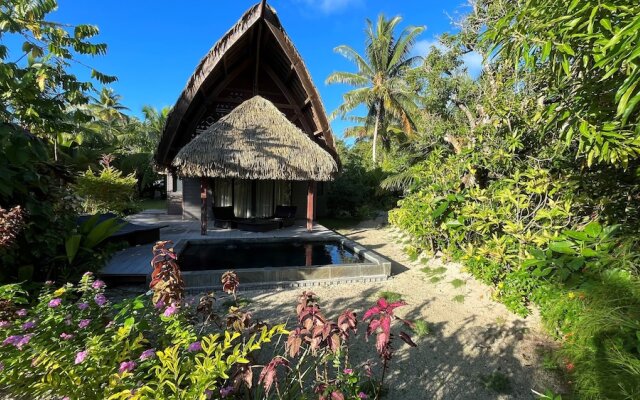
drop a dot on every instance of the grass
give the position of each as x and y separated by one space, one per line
390 296
458 299
436 279
242 302
458 283
421 328
433 271
496 381
147 204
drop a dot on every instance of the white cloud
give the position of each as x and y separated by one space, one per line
423 47
331 6
472 61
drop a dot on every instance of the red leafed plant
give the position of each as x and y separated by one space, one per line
230 283
166 279
268 375
380 318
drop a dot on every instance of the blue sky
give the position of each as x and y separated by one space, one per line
154 45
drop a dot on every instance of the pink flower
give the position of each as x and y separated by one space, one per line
84 323
226 391
28 325
172 309
147 354
55 302
5 324
21 313
159 305
195 346
127 366
100 300
363 395
66 398
81 356
348 371
66 336
98 284
83 306
88 273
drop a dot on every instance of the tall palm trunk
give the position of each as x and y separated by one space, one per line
375 132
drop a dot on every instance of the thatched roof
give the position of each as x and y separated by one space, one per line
255 57
255 141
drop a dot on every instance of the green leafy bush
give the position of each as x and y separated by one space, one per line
29 178
107 191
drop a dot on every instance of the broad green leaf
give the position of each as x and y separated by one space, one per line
72 245
564 247
593 229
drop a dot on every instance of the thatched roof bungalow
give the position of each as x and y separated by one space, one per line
249 129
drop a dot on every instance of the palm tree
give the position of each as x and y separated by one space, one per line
381 82
108 110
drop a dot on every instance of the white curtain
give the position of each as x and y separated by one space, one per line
222 193
242 198
283 193
264 199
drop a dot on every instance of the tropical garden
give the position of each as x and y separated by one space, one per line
527 174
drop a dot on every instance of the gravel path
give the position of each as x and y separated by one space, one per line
476 348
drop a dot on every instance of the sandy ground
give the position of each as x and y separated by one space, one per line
471 336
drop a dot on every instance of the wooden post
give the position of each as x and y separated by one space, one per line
311 203
204 186
308 254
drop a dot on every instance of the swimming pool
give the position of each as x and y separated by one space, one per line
275 262
241 255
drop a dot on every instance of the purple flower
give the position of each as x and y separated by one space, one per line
348 371
159 305
172 309
55 302
98 284
23 341
80 356
195 346
66 336
28 325
5 324
127 366
100 299
150 353
83 306
21 313
66 398
208 393
88 273
226 391
363 395
12 340
84 323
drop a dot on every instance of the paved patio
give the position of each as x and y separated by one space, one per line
135 261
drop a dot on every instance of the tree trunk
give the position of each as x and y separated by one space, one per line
375 133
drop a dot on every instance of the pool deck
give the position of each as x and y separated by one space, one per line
135 261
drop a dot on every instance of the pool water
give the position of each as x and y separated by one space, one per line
239 255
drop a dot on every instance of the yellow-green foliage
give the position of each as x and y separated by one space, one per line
107 191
